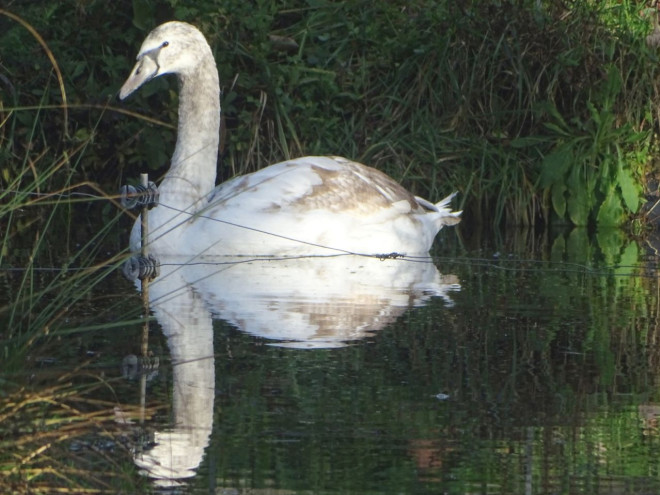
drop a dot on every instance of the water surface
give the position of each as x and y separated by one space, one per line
510 364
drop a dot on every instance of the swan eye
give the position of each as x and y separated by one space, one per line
165 43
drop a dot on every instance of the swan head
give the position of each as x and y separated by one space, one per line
172 48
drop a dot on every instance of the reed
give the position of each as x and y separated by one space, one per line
54 250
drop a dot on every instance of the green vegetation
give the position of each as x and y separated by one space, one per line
537 112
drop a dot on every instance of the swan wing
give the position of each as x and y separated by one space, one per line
331 184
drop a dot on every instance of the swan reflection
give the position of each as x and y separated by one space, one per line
317 302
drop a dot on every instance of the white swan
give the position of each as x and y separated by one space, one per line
310 205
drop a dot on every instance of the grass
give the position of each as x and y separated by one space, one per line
472 97
44 227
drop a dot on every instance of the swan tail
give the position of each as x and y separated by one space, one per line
445 215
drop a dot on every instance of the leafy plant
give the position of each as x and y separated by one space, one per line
587 175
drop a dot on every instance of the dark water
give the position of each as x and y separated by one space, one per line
510 364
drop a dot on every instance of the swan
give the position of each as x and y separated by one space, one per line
314 205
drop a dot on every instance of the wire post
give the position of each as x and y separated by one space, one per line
144 217
144 230
143 266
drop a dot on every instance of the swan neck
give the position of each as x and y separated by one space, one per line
196 152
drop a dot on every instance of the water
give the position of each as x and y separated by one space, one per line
511 364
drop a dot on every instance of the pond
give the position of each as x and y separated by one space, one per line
507 363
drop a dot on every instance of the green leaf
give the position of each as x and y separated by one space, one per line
577 209
578 203
605 181
611 211
557 129
526 142
630 190
554 166
559 125
558 192
613 83
143 14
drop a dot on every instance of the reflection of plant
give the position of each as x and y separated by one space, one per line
543 357
588 176
64 439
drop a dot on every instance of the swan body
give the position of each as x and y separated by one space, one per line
307 206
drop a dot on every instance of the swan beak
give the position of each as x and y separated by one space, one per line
145 69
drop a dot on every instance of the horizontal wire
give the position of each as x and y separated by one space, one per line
489 262
554 266
197 215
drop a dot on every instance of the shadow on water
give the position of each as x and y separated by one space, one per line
515 364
